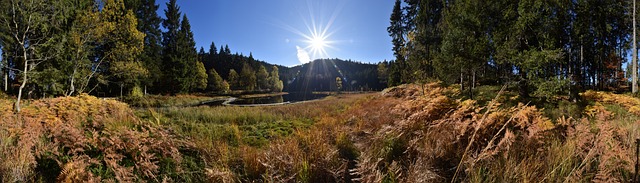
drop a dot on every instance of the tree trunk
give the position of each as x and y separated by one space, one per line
473 83
6 80
461 81
523 84
634 71
72 86
24 78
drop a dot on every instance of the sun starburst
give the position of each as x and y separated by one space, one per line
317 37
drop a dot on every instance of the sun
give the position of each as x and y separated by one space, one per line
317 38
318 43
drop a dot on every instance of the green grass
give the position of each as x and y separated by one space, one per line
236 126
168 101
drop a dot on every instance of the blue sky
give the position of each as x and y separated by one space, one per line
275 30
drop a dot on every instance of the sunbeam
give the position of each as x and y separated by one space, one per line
317 37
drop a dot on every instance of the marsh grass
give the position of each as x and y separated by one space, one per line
250 143
168 101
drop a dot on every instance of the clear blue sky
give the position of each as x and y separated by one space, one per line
273 30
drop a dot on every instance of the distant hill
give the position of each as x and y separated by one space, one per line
320 75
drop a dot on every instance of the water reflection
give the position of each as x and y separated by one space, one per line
287 98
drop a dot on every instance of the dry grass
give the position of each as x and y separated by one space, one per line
512 144
83 138
405 134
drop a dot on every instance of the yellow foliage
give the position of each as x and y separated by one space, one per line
77 128
632 104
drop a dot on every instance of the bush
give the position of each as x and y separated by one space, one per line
137 92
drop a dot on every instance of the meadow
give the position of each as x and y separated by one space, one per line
407 133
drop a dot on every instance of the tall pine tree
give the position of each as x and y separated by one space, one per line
397 35
171 56
188 68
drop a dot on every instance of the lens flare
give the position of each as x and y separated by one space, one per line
317 39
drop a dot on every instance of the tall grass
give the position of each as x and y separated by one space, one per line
168 101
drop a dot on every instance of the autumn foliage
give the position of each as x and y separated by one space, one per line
438 138
85 139
408 133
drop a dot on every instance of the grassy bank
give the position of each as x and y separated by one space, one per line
169 101
404 134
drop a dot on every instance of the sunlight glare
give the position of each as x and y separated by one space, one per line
318 43
317 37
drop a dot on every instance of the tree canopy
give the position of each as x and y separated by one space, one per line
573 45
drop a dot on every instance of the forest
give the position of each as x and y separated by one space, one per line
117 48
546 47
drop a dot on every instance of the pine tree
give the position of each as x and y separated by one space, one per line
210 61
397 35
227 51
212 49
171 56
201 54
190 74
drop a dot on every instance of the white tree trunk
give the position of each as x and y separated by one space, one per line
6 80
24 77
634 70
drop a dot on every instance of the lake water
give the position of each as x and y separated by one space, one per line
287 98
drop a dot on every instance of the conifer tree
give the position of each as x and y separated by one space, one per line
171 57
397 35
191 72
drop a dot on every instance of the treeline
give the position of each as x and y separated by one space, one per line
112 48
320 75
545 47
238 72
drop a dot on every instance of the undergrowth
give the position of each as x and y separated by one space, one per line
85 139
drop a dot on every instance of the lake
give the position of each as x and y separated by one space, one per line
278 99
286 98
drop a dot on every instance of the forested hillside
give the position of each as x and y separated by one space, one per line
546 47
320 75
